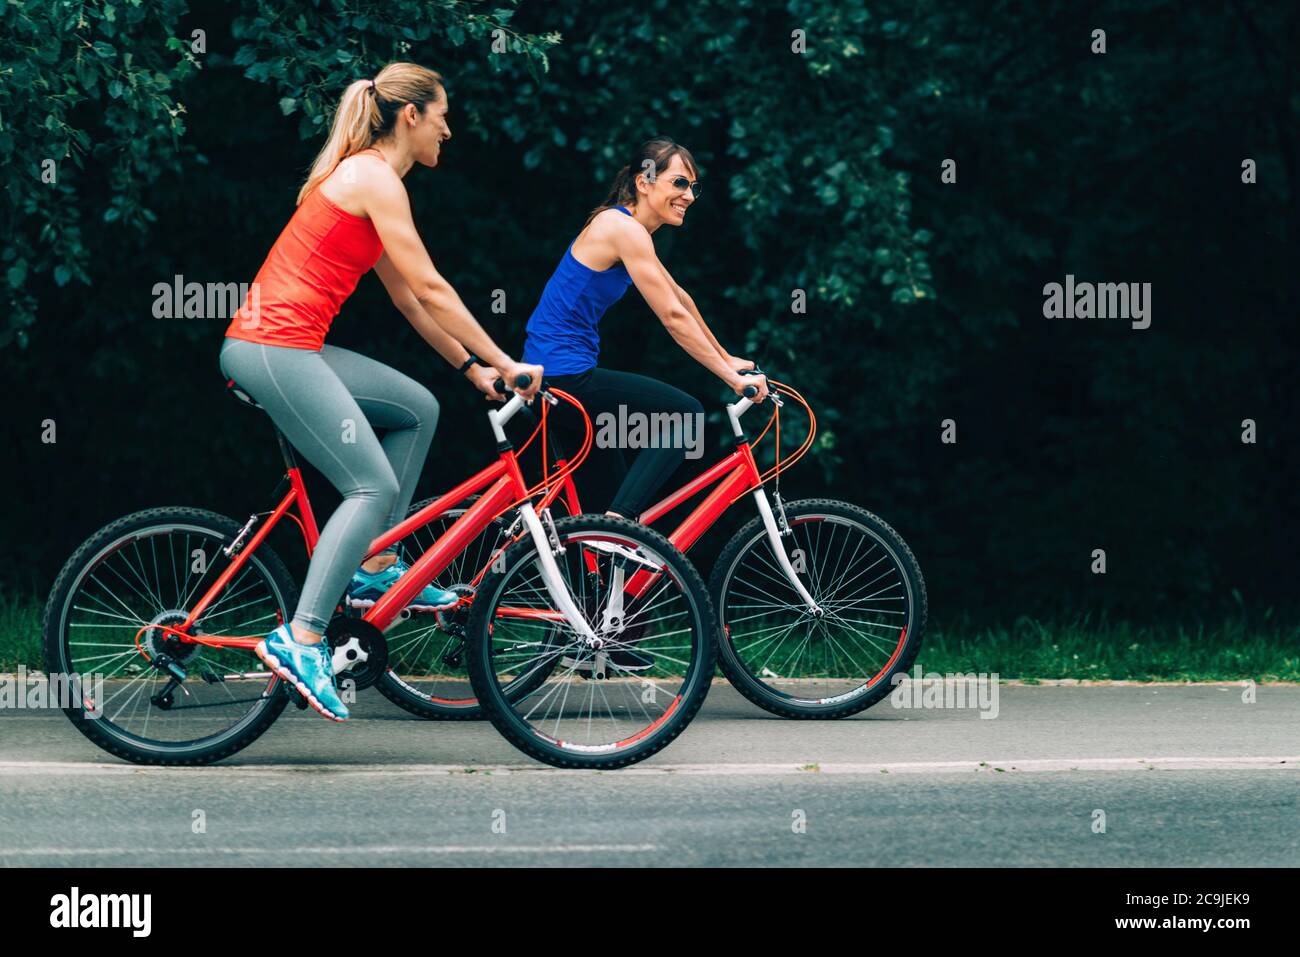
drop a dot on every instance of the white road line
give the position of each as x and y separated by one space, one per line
991 765
337 851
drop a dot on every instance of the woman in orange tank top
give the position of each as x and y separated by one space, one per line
353 215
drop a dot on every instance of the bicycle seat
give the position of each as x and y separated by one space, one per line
240 394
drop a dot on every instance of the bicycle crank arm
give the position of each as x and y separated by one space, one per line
223 703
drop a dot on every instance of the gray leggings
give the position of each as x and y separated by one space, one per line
325 404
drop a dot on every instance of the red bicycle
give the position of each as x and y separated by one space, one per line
820 602
158 612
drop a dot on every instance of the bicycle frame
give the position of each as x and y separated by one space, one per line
735 476
501 485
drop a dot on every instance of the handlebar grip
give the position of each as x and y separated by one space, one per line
522 381
751 391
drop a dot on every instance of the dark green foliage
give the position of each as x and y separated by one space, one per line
822 174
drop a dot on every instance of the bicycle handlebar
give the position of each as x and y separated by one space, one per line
522 381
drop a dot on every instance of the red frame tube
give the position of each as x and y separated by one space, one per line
449 544
507 487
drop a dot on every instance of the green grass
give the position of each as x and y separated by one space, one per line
1233 649
1229 650
20 630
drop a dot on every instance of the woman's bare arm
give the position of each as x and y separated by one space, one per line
736 363
389 209
432 333
428 328
637 252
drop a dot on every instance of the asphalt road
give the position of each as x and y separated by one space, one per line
1179 776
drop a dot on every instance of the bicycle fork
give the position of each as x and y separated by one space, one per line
774 535
551 576
734 411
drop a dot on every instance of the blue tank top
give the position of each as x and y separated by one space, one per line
562 331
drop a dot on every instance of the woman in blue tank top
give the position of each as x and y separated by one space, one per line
615 250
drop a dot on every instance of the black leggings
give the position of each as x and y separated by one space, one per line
605 481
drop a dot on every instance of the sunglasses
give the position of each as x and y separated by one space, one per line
681 184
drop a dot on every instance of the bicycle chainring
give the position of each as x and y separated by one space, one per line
359 649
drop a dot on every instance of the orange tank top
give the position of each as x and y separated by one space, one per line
312 268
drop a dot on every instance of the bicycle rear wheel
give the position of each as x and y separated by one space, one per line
865 578
147 569
604 707
427 673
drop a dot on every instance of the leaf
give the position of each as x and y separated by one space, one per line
287 104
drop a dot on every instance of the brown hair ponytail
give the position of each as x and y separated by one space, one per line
659 152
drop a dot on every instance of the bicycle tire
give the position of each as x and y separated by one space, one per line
741 673
54 624
500 709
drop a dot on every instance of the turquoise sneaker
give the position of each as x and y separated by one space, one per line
309 668
365 588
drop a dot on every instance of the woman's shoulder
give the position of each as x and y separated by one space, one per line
357 177
616 228
613 217
365 169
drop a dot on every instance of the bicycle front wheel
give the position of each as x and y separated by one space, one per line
610 704
863 576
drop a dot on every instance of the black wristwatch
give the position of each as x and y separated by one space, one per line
471 361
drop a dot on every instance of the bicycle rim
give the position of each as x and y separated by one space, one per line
595 707
145 578
857 577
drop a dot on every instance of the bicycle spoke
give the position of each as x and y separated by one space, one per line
548 673
864 602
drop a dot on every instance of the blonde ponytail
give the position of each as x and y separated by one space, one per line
366 113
